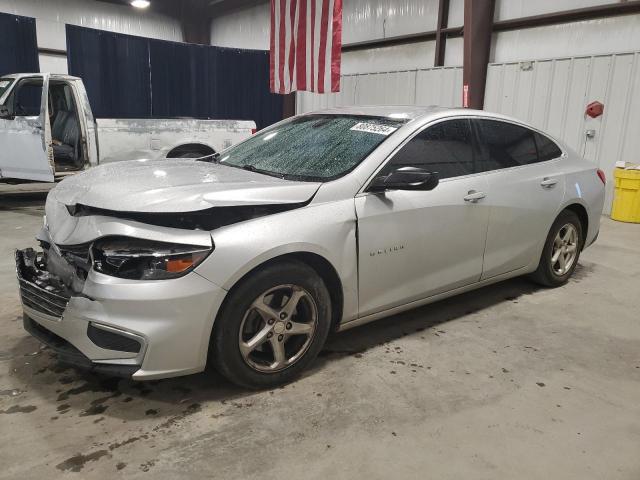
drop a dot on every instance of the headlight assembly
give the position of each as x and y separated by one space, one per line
139 259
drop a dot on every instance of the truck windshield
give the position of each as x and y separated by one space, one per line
5 83
312 147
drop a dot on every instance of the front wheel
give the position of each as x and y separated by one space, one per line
561 251
272 325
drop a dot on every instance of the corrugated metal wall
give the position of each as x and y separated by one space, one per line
429 86
362 20
553 94
588 37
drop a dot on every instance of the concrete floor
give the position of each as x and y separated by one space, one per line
509 381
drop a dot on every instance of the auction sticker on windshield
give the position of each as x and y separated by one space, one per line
373 128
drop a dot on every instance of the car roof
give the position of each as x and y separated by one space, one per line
412 112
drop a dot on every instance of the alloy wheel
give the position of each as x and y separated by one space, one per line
565 249
277 328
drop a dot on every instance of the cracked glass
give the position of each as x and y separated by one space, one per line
312 147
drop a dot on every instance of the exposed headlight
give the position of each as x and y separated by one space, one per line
138 259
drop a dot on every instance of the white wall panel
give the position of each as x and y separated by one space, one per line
456 13
375 19
508 9
246 28
432 86
589 37
553 95
439 86
385 59
454 54
52 15
53 64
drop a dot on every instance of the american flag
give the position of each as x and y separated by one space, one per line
306 43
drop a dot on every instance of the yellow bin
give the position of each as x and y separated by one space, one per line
626 197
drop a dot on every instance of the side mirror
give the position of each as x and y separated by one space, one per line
405 178
4 113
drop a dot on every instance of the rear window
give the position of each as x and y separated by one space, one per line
547 149
505 145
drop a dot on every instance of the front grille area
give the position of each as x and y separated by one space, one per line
80 251
112 340
38 290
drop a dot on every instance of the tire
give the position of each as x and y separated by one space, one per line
552 274
240 323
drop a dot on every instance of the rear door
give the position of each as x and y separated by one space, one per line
25 133
527 187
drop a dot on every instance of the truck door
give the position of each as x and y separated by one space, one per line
90 133
25 133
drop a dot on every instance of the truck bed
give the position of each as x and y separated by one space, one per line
118 137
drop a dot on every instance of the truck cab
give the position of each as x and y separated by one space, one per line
44 130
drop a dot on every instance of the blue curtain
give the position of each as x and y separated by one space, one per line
18 45
212 82
180 77
140 77
115 70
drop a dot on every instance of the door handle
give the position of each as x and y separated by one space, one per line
548 182
473 196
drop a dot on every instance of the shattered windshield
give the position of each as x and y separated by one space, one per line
5 83
312 147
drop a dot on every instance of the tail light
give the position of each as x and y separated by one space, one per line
253 131
602 176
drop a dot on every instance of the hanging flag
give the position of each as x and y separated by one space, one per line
306 45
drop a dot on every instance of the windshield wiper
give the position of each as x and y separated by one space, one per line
253 168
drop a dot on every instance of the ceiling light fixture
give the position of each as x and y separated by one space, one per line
140 3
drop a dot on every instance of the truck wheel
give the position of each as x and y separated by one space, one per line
561 251
272 325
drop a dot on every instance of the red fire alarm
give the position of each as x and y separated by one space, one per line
595 109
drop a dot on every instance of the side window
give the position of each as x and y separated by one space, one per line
27 98
547 149
445 148
504 145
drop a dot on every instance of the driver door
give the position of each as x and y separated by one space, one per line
415 244
25 133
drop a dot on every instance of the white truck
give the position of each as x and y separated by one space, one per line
47 130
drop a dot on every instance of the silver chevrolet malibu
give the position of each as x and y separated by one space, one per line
248 259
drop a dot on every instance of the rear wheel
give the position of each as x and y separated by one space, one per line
272 326
561 251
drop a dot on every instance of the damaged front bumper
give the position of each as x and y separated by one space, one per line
139 329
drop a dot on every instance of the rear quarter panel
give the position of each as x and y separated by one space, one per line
584 187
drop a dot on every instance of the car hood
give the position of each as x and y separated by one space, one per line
176 185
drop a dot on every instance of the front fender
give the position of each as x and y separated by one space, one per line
327 230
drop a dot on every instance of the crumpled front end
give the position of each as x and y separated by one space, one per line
142 329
